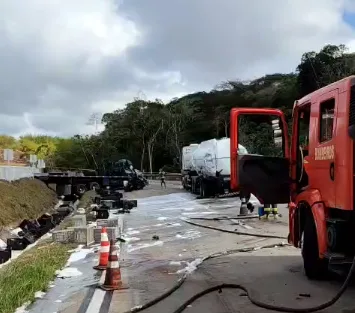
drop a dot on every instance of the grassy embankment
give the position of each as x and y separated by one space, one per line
35 268
30 272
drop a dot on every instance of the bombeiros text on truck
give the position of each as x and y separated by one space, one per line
314 174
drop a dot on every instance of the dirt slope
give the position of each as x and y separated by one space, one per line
24 198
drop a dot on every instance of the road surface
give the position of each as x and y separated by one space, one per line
150 266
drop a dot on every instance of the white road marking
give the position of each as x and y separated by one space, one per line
97 298
99 294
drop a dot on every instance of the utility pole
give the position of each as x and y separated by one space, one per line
95 120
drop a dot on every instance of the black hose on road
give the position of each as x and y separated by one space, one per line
180 282
224 218
234 231
160 298
269 306
241 287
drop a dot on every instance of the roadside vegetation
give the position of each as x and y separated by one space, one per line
29 273
24 199
33 270
86 199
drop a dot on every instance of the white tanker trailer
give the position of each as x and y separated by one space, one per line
206 167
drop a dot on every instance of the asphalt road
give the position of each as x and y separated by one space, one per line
152 266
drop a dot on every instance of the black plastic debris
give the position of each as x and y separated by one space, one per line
5 255
31 227
16 243
101 213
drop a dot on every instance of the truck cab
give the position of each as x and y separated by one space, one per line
315 173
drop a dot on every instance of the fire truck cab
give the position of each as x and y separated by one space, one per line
315 174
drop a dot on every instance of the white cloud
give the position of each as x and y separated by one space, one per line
62 60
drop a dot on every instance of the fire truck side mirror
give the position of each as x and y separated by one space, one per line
278 136
351 131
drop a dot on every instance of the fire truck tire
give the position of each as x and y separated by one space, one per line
315 267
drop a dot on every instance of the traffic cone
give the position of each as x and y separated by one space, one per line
104 251
113 280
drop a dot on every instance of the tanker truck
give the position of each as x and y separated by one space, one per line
206 167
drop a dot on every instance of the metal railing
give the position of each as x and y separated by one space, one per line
168 176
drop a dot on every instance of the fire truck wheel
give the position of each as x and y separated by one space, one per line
315 268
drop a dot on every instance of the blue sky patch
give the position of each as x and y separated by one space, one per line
349 17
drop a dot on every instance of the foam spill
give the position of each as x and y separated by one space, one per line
22 308
190 267
133 232
39 294
131 239
78 254
68 272
144 245
196 213
190 234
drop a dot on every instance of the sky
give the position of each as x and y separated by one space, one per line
63 60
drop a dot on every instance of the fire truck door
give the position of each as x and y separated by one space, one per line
323 175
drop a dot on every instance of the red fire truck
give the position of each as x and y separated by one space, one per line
315 174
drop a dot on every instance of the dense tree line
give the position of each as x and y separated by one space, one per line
151 133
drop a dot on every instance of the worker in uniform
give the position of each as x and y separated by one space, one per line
270 209
162 178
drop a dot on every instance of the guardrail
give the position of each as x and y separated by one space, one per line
168 176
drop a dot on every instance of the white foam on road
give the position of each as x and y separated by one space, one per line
133 232
162 218
132 248
131 239
174 225
22 308
190 267
190 234
197 213
39 294
68 272
78 254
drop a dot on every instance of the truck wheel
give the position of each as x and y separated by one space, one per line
314 267
94 186
81 189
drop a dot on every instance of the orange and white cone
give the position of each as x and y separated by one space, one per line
104 250
113 279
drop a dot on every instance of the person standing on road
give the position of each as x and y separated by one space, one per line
162 178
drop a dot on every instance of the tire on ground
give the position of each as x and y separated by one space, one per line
315 267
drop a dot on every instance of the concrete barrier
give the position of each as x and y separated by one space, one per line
11 173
